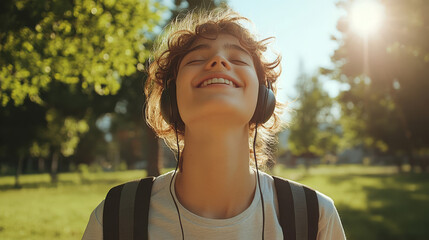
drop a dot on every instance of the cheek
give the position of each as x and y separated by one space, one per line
254 88
181 82
253 96
185 96
182 94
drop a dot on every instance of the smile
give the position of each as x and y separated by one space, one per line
217 81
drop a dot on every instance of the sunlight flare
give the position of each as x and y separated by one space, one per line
366 16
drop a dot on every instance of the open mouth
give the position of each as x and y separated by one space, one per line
212 81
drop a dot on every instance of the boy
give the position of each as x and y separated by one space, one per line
215 92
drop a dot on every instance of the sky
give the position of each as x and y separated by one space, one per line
302 29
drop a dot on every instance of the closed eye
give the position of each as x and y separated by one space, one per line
240 62
195 61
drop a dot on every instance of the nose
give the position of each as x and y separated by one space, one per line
218 63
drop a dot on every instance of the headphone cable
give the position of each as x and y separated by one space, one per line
259 182
257 173
171 182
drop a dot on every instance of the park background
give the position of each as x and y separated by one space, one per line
355 75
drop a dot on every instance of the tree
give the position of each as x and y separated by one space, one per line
18 128
387 74
184 6
82 48
311 133
84 43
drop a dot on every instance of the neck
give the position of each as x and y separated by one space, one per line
216 180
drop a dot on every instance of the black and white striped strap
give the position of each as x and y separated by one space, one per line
126 211
298 210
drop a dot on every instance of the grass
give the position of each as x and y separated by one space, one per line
373 202
40 210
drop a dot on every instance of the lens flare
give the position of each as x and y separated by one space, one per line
366 16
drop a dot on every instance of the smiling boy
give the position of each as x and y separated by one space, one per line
206 82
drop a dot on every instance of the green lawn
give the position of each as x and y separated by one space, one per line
373 202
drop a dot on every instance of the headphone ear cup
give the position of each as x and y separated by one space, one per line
169 108
265 105
270 105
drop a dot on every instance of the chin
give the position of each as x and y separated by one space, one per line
225 117
218 111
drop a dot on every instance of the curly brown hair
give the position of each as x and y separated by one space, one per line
175 43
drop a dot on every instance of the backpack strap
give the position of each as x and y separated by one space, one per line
126 211
298 210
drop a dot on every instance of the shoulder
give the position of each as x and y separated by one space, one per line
326 204
329 223
161 182
98 211
94 228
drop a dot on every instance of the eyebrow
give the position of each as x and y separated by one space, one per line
226 46
236 47
198 47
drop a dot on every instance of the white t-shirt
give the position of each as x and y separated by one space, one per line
164 223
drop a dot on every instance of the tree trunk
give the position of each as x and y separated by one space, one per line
307 163
18 171
41 165
54 167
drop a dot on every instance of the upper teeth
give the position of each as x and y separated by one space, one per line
217 80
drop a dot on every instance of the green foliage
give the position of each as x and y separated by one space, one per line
64 132
85 42
83 169
68 58
39 150
192 5
386 105
310 131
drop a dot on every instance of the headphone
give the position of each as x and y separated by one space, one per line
170 111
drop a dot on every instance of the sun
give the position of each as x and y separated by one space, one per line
366 16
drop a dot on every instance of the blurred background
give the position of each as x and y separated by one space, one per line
355 77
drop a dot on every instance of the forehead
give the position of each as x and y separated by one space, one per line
220 38
225 41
